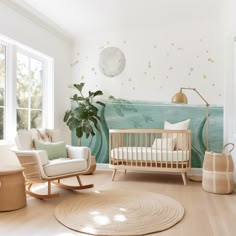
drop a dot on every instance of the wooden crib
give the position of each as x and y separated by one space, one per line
150 150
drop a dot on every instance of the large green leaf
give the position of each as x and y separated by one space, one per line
91 94
73 123
79 86
81 112
98 92
77 98
88 129
84 114
93 109
67 115
76 112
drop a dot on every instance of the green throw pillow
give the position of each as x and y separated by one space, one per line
54 150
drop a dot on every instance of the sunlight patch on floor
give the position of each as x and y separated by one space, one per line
120 218
89 229
102 220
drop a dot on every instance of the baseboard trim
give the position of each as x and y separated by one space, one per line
103 166
194 171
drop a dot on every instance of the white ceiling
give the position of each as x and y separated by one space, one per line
76 17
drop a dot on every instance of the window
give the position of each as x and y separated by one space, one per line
26 89
2 88
29 92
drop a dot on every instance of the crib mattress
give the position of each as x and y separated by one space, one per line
148 154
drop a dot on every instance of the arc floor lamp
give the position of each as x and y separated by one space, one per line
180 97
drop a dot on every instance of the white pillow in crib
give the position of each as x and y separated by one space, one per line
181 141
164 144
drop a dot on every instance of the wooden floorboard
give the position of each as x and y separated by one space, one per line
206 214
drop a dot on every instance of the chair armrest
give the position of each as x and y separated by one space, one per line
78 152
41 155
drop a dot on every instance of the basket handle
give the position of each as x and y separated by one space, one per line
227 145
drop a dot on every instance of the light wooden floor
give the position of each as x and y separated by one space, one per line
206 214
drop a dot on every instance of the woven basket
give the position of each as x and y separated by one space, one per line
218 172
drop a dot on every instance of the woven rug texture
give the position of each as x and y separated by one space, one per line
116 212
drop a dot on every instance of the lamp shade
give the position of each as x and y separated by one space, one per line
179 98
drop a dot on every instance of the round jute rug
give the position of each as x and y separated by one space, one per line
117 212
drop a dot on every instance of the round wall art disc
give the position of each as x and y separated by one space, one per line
111 61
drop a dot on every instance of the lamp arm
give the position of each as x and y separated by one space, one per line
197 93
207 113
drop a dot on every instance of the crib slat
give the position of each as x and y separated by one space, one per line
162 147
156 150
182 151
171 150
141 141
130 144
127 148
136 146
177 141
146 148
151 143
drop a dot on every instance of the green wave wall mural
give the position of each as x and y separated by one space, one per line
120 113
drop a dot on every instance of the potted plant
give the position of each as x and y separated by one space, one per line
83 117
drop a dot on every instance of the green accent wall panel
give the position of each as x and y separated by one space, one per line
136 114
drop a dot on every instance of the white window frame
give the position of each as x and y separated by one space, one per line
5 44
234 79
10 122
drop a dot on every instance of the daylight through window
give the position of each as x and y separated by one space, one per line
2 88
26 80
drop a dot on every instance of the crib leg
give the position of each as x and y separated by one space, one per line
113 174
184 178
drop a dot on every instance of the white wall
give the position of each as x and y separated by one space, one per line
160 57
230 74
172 51
24 30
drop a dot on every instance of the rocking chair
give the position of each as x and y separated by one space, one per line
38 168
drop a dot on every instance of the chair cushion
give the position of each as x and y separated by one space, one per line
78 152
63 166
24 140
49 135
43 135
54 150
55 135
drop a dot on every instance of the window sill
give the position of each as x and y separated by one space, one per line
4 144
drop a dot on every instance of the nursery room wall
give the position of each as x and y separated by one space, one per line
19 26
230 74
165 48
